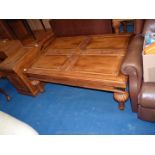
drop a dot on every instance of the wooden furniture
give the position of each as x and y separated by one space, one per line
42 23
5 31
13 23
15 58
81 53
74 27
2 91
85 61
8 48
15 29
5 51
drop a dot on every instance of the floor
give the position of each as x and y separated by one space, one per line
71 110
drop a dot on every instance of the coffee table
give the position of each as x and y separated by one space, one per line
91 61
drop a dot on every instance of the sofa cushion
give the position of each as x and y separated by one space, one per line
147 95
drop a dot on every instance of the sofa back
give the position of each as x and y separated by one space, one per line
71 27
138 26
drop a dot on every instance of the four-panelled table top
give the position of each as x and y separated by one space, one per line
85 61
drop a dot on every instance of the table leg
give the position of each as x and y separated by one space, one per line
121 98
116 24
5 94
124 26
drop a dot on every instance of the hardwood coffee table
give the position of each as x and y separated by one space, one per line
86 61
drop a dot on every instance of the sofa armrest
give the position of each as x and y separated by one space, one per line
132 66
133 59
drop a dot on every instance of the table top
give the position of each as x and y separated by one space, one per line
95 58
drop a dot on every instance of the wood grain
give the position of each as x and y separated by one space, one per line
96 67
90 61
17 60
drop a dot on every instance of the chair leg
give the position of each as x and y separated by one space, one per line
124 23
5 94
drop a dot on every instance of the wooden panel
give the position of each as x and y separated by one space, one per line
78 79
10 47
112 42
15 65
74 27
67 45
17 82
18 28
104 52
24 57
98 64
50 62
5 31
10 62
66 42
87 61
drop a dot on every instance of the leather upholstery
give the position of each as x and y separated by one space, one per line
138 26
147 95
72 27
132 66
147 114
142 94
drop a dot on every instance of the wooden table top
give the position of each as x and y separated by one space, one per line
86 59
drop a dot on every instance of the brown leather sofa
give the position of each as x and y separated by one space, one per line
142 94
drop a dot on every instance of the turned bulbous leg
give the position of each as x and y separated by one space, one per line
121 98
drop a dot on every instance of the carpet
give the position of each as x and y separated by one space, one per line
62 110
